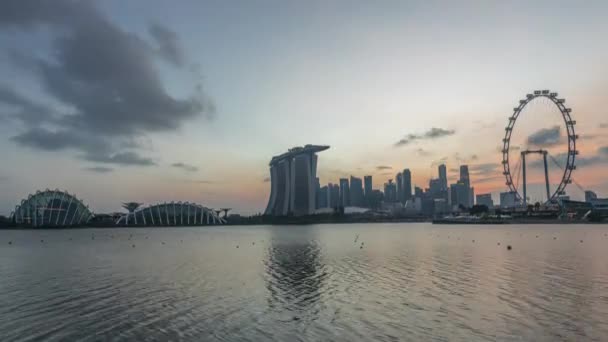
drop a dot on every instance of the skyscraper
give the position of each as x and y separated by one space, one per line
344 193
356 192
323 197
464 175
390 191
334 195
399 182
464 178
460 194
368 186
318 193
292 181
407 185
443 176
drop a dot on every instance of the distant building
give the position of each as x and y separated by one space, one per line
390 191
597 203
375 199
171 214
323 197
436 188
334 195
471 197
443 177
464 175
407 184
51 208
367 180
466 180
356 192
590 196
485 199
508 199
399 182
344 192
317 193
440 206
292 181
418 192
460 195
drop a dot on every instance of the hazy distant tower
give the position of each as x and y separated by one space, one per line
443 177
407 185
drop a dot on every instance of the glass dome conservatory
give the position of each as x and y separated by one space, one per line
171 214
51 208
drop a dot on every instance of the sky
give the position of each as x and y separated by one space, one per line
154 101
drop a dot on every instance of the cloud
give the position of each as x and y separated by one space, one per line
599 158
383 167
94 149
433 133
23 109
438 162
105 76
122 158
185 167
200 181
485 169
546 137
423 153
99 169
168 44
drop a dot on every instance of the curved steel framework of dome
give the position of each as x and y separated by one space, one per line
572 152
171 214
51 208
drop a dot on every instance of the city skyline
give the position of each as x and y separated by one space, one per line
382 84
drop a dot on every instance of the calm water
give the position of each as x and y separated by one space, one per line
396 282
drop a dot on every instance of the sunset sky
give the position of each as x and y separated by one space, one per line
154 101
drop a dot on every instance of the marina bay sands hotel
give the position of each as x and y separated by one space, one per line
292 179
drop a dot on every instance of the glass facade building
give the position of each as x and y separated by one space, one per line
51 208
171 214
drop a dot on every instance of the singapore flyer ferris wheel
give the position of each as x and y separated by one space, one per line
568 168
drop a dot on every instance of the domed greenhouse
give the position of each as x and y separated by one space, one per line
171 214
51 208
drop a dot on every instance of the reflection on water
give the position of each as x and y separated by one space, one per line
380 282
294 272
